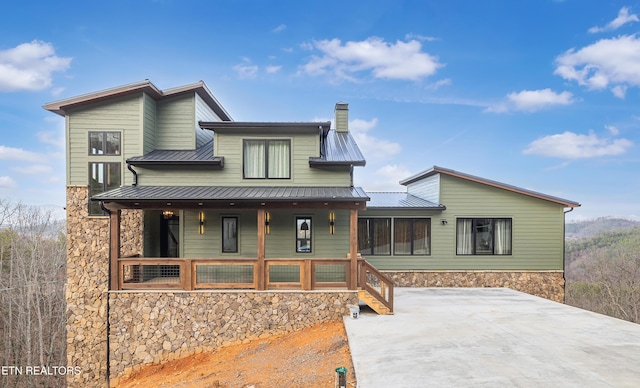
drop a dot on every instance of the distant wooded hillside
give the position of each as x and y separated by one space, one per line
590 228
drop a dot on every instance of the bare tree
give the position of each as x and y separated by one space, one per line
32 305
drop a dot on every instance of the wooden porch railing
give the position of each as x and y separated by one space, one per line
149 273
375 283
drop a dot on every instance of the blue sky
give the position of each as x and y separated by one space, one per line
540 94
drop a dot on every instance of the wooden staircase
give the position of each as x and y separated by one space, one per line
374 288
374 303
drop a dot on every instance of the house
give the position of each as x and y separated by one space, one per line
188 230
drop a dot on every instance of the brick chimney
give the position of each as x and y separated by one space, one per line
342 117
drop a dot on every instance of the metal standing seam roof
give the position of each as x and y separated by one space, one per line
232 193
400 200
201 156
341 148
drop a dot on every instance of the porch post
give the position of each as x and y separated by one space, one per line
114 249
353 248
260 267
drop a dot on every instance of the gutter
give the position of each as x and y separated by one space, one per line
135 177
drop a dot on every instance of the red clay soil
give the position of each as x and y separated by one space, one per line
306 358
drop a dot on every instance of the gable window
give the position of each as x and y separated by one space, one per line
411 236
267 159
303 234
483 236
104 143
374 236
102 177
230 234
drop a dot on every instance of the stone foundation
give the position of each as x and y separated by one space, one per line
545 284
154 326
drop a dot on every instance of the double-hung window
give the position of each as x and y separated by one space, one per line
411 236
483 236
267 159
374 236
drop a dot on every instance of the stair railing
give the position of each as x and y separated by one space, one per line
376 283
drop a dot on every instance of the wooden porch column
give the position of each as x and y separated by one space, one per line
260 266
114 249
353 248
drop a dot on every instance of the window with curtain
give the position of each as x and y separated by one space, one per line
267 159
374 236
483 236
411 236
102 177
230 234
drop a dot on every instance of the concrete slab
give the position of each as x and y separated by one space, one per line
491 337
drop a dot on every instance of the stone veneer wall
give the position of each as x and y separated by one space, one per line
86 290
545 284
153 326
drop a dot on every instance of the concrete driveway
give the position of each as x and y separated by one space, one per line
491 337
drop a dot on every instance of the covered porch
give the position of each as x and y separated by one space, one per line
300 238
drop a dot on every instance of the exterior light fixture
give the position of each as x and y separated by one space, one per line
201 222
443 221
332 222
267 222
167 214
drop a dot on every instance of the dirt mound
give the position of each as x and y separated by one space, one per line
305 358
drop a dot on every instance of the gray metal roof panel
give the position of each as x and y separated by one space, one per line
394 200
201 155
341 148
232 193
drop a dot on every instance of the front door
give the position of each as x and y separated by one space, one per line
169 235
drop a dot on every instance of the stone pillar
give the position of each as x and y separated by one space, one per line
87 286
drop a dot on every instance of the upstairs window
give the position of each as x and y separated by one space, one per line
102 177
104 143
483 236
267 159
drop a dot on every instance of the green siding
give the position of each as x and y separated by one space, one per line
203 113
176 123
230 146
537 235
280 243
149 129
122 115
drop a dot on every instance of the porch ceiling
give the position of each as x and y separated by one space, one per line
148 197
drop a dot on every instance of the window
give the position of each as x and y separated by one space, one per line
483 236
267 159
230 234
102 177
104 143
303 234
374 236
411 236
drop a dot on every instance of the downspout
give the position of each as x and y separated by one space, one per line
109 282
564 253
135 176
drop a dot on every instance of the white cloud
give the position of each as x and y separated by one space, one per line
273 69
400 60
622 19
619 91
29 66
532 100
612 130
280 28
51 137
436 85
372 147
420 37
246 70
6 182
10 153
611 62
34 169
569 145
385 178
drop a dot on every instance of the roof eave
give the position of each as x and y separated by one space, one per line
314 162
